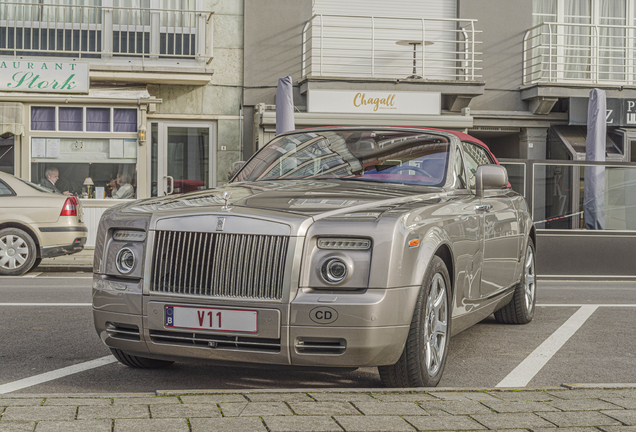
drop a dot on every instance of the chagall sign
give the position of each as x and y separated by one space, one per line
43 76
374 102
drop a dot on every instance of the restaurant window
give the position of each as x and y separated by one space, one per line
98 119
125 120
7 149
71 119
106 165
43 118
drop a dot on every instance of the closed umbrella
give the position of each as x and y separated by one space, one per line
284 106
594 189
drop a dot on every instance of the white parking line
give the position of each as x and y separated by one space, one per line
527 369
45 304
586 304
32 275
53 375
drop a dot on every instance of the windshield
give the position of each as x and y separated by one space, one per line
411 157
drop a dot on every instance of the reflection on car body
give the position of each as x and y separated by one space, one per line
331 247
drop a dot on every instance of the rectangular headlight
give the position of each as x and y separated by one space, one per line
133 236
344 243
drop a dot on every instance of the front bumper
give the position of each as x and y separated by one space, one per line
59 250
370 328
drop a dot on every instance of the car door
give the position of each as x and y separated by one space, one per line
465 232
499 226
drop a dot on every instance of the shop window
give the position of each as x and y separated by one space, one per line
110 164
71 119
124 120
6 154
43 118
98 119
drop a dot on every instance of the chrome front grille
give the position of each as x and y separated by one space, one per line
219 265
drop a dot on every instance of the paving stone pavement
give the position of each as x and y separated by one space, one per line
573 408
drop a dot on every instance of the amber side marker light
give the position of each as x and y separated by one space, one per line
414 243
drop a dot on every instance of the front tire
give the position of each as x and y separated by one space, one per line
139 362
424 356
520 310
17 252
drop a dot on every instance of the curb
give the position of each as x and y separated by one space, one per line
383 390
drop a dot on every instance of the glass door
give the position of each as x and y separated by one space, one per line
182 157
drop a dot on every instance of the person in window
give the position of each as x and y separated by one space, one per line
124 188
51 176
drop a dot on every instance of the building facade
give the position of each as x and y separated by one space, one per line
514 73
145 90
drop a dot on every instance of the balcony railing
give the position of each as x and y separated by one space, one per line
579 54
384 47
28 29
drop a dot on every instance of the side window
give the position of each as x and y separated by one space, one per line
460 174
5 190
475 156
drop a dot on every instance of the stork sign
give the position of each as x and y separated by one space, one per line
43 76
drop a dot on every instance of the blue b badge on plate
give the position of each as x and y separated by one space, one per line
169 316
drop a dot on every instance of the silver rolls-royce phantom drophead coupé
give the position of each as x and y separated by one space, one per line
331 247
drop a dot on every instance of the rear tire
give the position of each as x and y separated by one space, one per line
520 310
139 362
36 263
17 252
424 356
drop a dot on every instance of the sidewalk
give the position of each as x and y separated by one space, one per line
81 261
576 408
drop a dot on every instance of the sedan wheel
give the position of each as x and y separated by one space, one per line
520 310
17 252
424 356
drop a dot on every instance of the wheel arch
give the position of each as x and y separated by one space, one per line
436 242
533 235
446 254
26 229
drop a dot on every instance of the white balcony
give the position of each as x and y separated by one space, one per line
392 48
579 54
107 35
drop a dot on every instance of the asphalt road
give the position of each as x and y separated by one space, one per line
596 345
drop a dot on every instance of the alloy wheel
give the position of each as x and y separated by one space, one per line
435 325
529 280
14 252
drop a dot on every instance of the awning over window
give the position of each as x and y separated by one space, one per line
11 122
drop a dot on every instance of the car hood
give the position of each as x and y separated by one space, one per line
291 200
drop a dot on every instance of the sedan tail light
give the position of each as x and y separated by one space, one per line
70 207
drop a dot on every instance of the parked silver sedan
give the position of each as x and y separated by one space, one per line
331 247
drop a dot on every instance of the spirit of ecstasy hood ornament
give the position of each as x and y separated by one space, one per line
226 197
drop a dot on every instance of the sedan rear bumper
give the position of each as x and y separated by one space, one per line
55 251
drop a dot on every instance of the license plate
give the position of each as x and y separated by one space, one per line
230 320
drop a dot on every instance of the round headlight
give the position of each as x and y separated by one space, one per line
125 260
334 270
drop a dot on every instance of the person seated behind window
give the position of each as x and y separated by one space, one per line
51 176
124 188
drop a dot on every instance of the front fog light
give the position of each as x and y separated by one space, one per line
125 260
334 270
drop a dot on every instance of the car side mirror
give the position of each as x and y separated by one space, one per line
490 177
234 169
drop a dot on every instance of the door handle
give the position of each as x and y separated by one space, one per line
171 185
483 207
